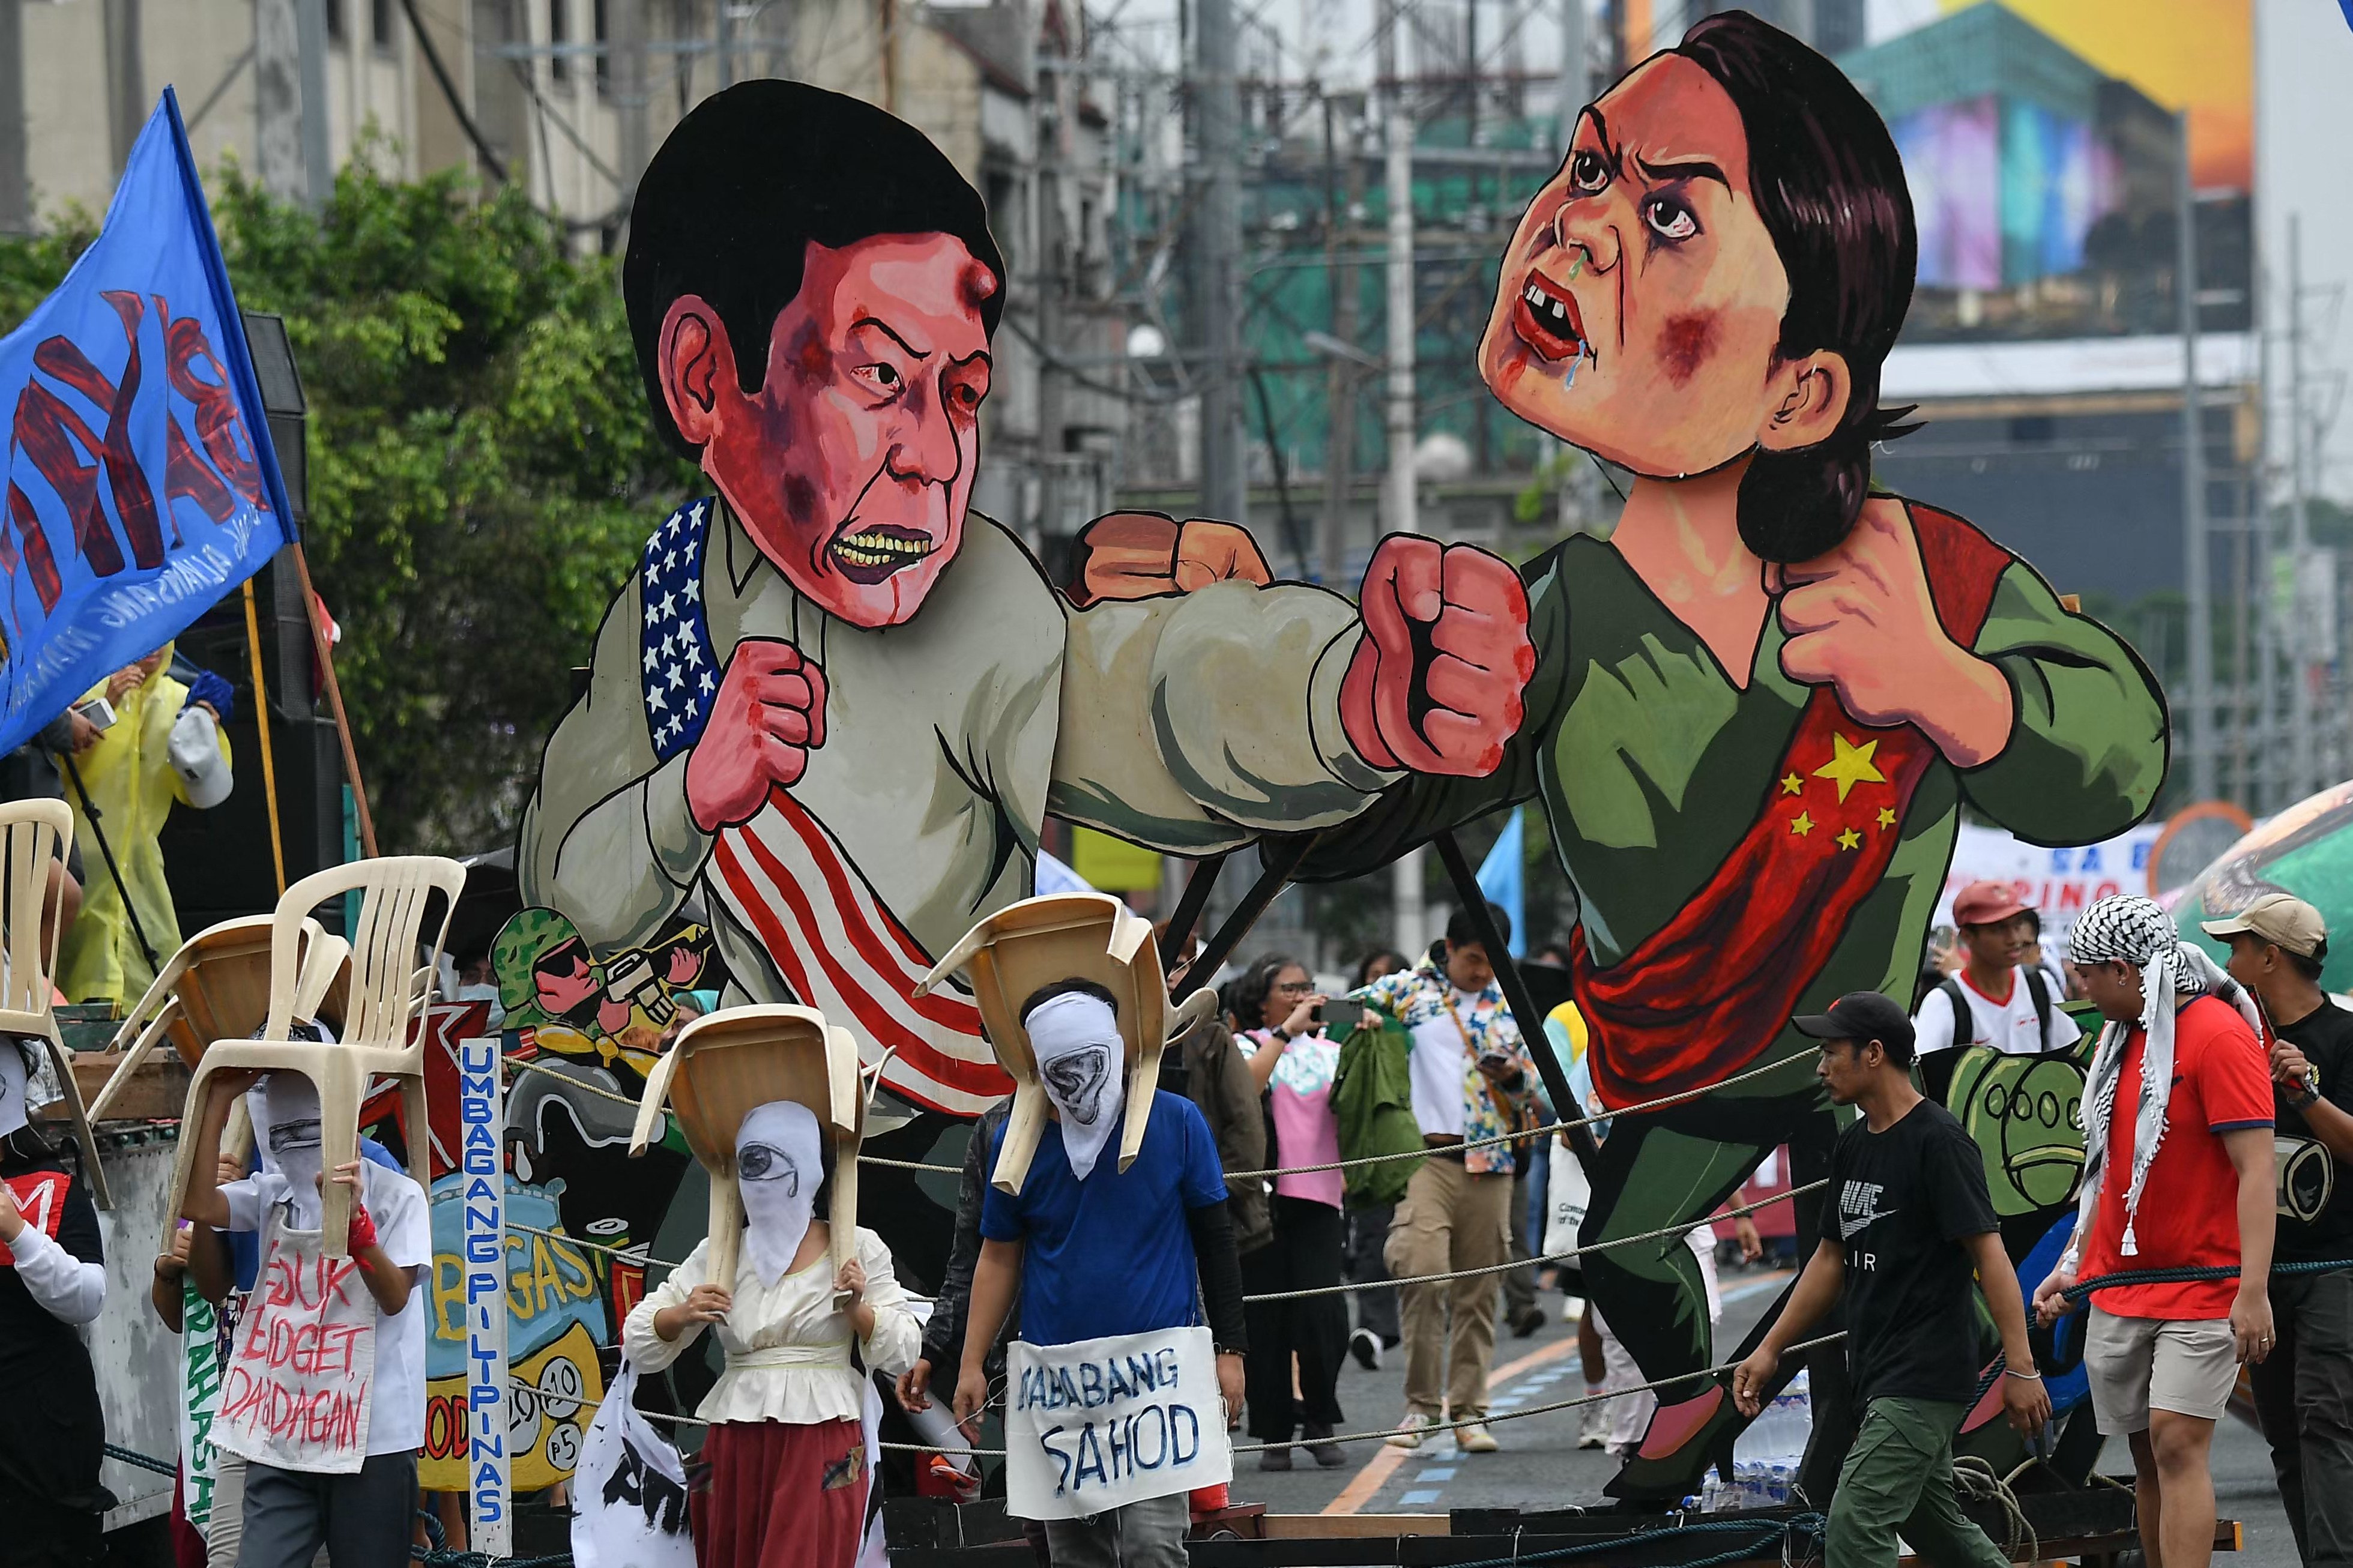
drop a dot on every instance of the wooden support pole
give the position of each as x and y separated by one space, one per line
336 702
261 724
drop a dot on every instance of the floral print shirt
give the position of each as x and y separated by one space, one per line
1418 998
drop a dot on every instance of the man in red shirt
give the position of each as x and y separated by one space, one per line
2178 1178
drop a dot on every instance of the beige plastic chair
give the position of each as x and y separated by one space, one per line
217 987
30 832
385 995
1061 936
726 1065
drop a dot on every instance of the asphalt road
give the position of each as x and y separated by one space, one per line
1541 1465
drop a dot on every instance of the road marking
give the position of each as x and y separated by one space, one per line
1437 1473
1369 1480
1427 1494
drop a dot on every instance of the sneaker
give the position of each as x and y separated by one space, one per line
1527 1321
1412 1430
1475 1438
1275 1459
1365 1346
1320 1447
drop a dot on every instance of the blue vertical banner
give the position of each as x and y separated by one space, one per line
1502 877
482 1118
141 485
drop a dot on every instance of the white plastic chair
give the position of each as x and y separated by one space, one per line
387 993
31 833
217 987
726 1065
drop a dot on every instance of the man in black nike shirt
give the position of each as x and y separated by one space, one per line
1908 1226
2304 1389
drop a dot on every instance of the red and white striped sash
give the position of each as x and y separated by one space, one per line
842 952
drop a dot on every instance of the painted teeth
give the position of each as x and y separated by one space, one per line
1549 312
879 549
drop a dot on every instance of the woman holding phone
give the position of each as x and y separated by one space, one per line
1292 1061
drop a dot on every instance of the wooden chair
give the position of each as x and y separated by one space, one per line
217 987
726 1065
385 997
30 833
1061 936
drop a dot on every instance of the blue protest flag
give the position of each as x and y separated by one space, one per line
142 486
1502 877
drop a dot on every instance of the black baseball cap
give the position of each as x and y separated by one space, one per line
1861 1015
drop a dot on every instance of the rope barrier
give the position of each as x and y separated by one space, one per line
1766 1537
143 1461
1549 1129
1674 1230
1435 1428
1973 1478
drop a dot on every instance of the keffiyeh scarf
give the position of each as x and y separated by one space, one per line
2138 931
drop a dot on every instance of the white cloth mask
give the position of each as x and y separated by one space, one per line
13 1114
779 1165
1075 1039
291 1134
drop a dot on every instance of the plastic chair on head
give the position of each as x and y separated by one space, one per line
30 833
217 987
726 1065
386 996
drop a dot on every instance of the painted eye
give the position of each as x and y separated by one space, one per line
1669 218
882 379
1587 171
762 1163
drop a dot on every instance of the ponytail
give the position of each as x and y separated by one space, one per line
1797 505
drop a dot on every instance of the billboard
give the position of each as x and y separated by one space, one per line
2039 140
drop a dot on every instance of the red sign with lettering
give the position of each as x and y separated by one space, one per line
41 1198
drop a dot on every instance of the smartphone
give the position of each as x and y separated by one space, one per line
99 712
1318 1015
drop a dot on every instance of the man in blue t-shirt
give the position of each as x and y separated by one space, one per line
1096 1251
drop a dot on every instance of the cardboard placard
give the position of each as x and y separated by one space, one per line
200 1366
295 1393
1101 1424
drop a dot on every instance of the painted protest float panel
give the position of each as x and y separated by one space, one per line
831 708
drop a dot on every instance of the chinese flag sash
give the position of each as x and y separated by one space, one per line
1709 991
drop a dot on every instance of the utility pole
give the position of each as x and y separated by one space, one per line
16 168
1217 256
2200 739
726 42
1399 513
290 99
2301 720
1339 375
1574 80
311 44
126 83
627 42
1054 269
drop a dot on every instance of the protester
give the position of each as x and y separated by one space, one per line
2174 1178
240 1253
2000 996
363 1519
933 1375
1292 1061
1471 1079
786 1417
2304 1389
1219 1083
165 745
1095 1250
1911 1222
52 1286
1377 1329
34 771
193 1254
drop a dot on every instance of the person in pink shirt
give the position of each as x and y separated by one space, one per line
1281 1034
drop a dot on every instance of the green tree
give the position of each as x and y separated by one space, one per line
482 470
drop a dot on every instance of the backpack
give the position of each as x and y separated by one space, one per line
2038 986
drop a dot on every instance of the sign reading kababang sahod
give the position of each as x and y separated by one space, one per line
141 485
1103 1423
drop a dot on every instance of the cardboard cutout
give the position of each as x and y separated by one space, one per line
837 706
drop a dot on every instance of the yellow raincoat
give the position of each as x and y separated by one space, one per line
131 780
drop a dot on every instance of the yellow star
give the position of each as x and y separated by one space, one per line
1792 784
1886 817
1801 825
1849 840
1850 764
